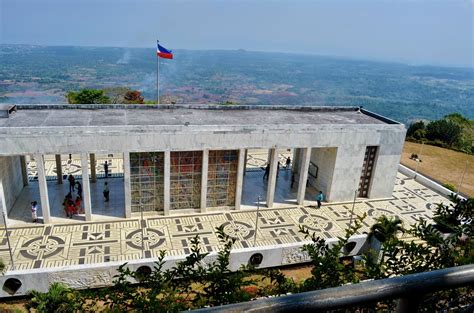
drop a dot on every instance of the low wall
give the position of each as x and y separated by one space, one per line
425 181
101 275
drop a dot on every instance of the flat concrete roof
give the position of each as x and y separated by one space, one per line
171 115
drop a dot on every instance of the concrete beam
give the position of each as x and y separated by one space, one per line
93 165
127 185
167 183
59 169
272 177
240 177
303 177
86 188
204 169
43 188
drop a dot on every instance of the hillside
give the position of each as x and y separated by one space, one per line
37 74
445 166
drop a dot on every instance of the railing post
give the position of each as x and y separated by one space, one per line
409 304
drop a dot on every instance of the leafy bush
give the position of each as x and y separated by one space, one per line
449 186
328 268
87 96
59 298
197 282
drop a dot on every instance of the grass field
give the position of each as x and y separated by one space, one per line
443 165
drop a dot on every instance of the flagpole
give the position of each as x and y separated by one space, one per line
157 78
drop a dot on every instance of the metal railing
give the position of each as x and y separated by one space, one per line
409 289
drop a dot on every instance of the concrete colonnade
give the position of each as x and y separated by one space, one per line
300 164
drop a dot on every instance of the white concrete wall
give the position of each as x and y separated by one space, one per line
11 182
101 275
347 171
386 164
325 159
350 139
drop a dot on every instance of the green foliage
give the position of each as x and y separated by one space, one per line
197 282
444 130
415 127
328 268
87 96
453 131
449 186
2 265
457 216
190 284
59 298
386 228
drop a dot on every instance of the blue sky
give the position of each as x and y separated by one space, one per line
410 31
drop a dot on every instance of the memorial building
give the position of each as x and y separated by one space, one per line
191 159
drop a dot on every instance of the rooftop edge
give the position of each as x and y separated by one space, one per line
304 108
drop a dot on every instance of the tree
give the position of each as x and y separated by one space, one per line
87 96
133 96
444 130
414 127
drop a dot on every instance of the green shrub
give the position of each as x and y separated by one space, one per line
449 186
59 298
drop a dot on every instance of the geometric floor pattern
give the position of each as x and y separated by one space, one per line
47 246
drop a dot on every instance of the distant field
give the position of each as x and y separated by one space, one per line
40 74
441 164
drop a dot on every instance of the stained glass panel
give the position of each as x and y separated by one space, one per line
147 181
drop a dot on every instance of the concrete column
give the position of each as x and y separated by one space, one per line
3 205
43 188
86 188
167 184
240 177
272 177
59 169
126 183
93 171
24 170
245 161
269 157
296 160
204 171
304 166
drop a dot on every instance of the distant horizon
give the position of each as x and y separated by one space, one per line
339 57
414 32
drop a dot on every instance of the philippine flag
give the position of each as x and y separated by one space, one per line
162 52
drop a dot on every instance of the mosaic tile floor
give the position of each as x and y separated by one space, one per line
96 242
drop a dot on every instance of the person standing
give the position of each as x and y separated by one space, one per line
34 211
106 192
79 189
288 162
320 198
267 171
106 169
72 182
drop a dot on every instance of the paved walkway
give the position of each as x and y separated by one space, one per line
121 240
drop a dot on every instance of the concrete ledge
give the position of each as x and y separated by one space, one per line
102 275
425 181
66 106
